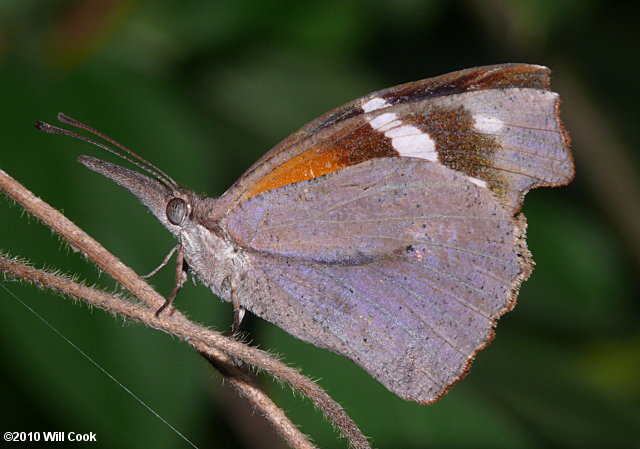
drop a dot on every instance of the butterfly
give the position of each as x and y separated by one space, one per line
387 230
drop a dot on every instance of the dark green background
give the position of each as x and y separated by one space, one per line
202 89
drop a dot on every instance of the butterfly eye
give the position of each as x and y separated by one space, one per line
176 210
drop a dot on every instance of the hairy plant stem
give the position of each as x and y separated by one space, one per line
221 351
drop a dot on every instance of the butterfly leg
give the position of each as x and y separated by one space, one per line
163 263
181 277
238 311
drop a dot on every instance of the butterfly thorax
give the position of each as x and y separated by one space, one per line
212 258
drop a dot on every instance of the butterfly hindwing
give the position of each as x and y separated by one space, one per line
387 244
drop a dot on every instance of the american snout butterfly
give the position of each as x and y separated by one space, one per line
388 230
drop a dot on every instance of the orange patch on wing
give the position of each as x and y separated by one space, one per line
307 165
351 145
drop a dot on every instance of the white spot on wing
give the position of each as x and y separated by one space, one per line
478 182
407 140
382 120
390 126
417 145
487 124
374 103
403 131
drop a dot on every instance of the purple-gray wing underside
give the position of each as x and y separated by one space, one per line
396 244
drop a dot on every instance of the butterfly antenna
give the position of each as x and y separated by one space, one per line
148 166
140 163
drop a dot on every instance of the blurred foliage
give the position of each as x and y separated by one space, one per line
203 88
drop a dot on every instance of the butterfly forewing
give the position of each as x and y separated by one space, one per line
499 125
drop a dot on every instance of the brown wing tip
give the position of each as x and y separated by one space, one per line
515 75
